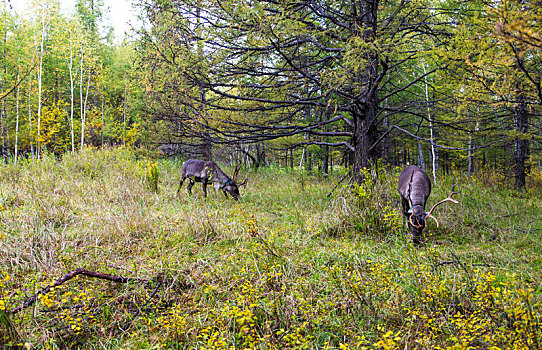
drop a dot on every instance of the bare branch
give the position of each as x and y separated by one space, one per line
80 271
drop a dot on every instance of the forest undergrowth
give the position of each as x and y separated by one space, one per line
285 267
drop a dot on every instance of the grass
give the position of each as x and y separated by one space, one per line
285 267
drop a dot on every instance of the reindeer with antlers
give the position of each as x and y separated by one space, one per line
414 188
202 171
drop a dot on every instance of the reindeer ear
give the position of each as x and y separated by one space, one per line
244 183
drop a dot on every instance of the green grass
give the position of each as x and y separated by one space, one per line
285 267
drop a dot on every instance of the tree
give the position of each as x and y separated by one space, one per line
278 69
494 68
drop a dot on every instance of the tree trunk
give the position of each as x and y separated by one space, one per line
30 114
521 116
421 160
84 113
40 75
469 168
365 133
365 113
72 97
207 147
260 155
3 120
81 74
386 142
325 164
103 123
17 120
434 151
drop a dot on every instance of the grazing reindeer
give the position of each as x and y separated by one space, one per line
201 171
414 188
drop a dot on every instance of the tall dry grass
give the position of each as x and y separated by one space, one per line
286 267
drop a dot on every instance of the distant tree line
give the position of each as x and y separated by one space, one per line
64 84
312 83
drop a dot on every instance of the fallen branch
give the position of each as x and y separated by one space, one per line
452 262
337 185
80 271
138 311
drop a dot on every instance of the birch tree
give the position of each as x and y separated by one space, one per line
74 41
44 10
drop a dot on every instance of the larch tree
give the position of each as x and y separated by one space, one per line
279 69
495 69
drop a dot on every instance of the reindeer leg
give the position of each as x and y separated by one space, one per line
405 206
192 182
225 194
204 183
180 185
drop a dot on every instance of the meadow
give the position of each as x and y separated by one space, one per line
286 267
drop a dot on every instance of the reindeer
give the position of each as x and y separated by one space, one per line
414 188
201 171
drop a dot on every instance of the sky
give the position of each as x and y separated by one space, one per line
119 16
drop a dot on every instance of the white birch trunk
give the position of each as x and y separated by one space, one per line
103 124
30 114
124 113
40 74
469 169
84 113
72 99
3 117
17 119
431 132
81 73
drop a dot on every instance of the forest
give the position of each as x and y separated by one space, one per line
444 84
319 104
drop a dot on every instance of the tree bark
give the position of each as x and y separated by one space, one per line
325 165
521 121
207 147
421 160
72 97
40 74
365 114
365 133
17 121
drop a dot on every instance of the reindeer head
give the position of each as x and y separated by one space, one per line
232 187
417 222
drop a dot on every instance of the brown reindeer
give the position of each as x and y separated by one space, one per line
203 171
414 188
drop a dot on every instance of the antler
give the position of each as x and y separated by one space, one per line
236 172
244 183
447 199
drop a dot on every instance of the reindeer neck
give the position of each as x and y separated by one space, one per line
220 176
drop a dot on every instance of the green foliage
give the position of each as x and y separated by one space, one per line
369 208
83 80
152 175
